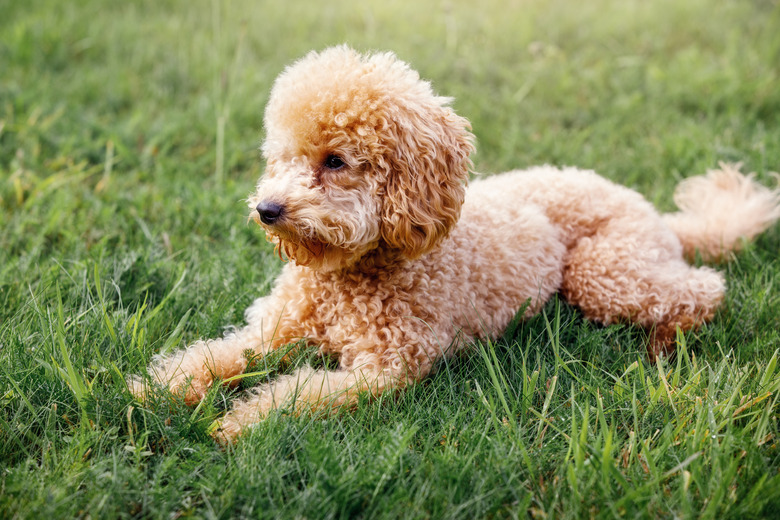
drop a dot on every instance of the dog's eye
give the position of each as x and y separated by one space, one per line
334 162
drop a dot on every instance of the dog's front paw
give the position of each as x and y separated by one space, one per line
142 390
137 387
225 431
190 387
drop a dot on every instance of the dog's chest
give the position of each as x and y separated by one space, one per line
343 309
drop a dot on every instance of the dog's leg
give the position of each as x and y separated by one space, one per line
306 390
635 272
191 371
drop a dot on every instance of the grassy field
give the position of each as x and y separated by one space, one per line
128 143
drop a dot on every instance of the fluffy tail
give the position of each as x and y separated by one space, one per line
720 210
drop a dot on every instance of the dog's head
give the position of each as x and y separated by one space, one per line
361 156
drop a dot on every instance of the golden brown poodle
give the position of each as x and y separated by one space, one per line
394 264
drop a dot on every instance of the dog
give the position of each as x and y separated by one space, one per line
394 265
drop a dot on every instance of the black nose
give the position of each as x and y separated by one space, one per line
269 212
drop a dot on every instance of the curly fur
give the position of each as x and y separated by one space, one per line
393 266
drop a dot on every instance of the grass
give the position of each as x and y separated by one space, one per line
128 141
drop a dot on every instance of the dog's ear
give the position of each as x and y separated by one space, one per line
428 166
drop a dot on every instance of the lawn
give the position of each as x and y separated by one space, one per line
128 144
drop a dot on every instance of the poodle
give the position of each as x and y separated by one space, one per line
394 265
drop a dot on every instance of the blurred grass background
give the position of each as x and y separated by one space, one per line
128 142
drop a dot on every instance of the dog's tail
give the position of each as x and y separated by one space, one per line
720 210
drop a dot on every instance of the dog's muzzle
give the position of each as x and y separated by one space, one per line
270 212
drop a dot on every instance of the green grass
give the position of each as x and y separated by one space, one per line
128 142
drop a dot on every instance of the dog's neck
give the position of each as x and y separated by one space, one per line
380 259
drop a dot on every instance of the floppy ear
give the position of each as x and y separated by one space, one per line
428 168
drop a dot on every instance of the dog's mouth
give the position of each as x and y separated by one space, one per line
302 252
303 249
314 253
304 244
